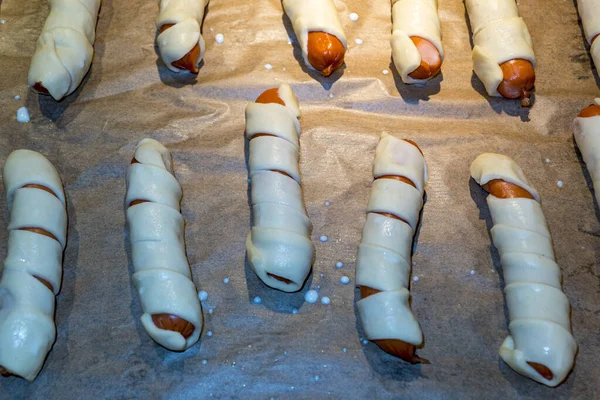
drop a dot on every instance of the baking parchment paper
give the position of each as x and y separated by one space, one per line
263 351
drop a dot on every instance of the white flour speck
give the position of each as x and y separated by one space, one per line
257 300
204 362
209 333
344 349
339 264
311 296
285 353
210 310
547 160
331 95
365 341
203 295
316 377
226 281
559 184
17 97
322 275
290 41
23 116
220 38
582 247
294 311
358 41
385 72
268 67
2 21
345 280
323 238
472 272
325 300
415 278
283 68
414 263
493 271
327 204
249 180
212 29
353 16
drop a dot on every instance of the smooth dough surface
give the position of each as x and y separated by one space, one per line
186 17
64 50
539 312
587 137
156 231
413 18
313 16
279 248
589 12
27 330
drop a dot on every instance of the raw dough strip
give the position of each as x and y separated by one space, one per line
279 247
64 50
587 136
540 345
33 267
499 35
384 255
184 36
589 11
309 16
172 312
413 18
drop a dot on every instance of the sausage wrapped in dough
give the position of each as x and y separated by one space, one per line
32 272
384 254
172 312
64 50
279 247
540 345
589 11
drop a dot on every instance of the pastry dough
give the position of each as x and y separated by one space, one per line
33 264
540 329
413 18
589 11
175 42
279 244
314 16
384 254
499 35
587 136
64 50
156 230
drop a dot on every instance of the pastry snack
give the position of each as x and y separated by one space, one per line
279 248
64 50
502 49
589 11
32 274
319 32
180 42
416 40
384 254
540 345
172 312
587 135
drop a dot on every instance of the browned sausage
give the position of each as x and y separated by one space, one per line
44 188
188 61
173 323
325 52
45 282
506 190
519 80
431 60
590 111
38 87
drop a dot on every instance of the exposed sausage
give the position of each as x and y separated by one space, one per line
519 80
325 52
188 61
173 323
590 111
431 60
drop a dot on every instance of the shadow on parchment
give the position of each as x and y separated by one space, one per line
510 107
272 299
578 58
326 82
590 185
387 367
411 94
181 79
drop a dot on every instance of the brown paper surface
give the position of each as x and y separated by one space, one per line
263 351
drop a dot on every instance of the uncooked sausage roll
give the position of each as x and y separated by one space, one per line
319 32
502 54
540 345
172 312
384 254
416 40
279 247
64 50
587 136
180 41
33 267
589 11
